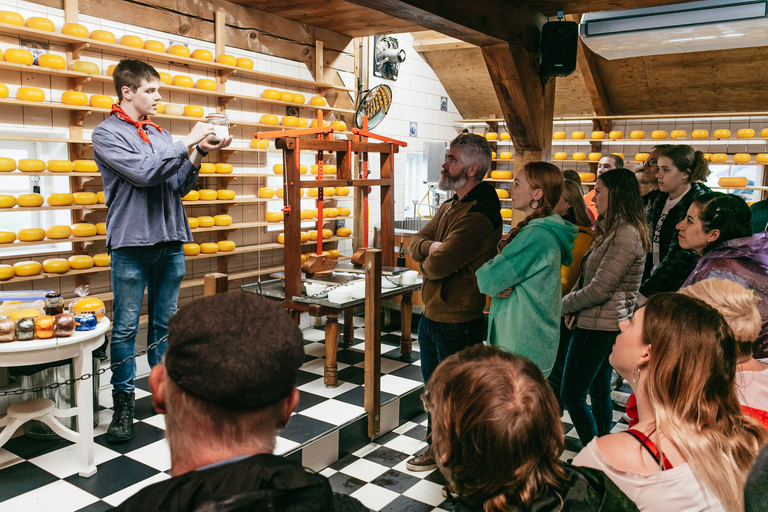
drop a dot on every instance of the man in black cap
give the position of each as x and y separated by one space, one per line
227 386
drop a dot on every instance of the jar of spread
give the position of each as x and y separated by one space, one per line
220 123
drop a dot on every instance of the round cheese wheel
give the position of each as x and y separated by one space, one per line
155 46
343 232
764 133
227 60
594 157
56 265
313 124
173 109
699 134
207 194
202 55
286 96
273 216
132 41
30 94
102 259
224 168
179 50
502 193
40 23
225 195
312 192
194 111
222 220
47 60
206 221
60 166
266 193
259 143
193 222
587 177
504 136
560 156
244 63
745 133
762 158
505 155
722 134
579 156
641 157
81 262
281 238
318 101
191 249
678 134
6 272
330 212
328 191
733 181
11 18
344 211
226 245
165 78
111 69
616 134
85 198
309 213
182 81
7 237
578 135
271 94
7 201
101 101
501 175
269 119
27 313
193 195
327 233
304 237
30 200
84 229
742 158
598 134
277 168
637 134
707 157
58 232
289 121
7 164
719 157
27 268
300 99
31 234
206 84
75 30
18 56
303 169
101 228
342 191
506 213
559 135
280 192
74 98
85 166
340 126
104 36
100 197
207 168
209 248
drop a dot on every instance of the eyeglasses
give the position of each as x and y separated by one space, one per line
649 163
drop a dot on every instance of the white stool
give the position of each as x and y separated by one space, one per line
40 409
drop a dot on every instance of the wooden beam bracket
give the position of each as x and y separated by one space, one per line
76 49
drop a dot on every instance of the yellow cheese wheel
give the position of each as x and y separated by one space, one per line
506 213
594 157
502 193
30 200
7 201
722 134
132 41
179 50
222 220
27 313
745 133
733 181
74 29
74 98
504 136
207 168
182 81
271 94
101 228
226 245
155 46
193 195
281 238
101 101
318 101
173 109
102 259
47 60
304 236
299 98
764 133
269 119
620 155
58 232
578 135
277 168
328 191
40 23
598 134
259 143
560 156
100 197
19 56
85 198
244 63
81 262
31 234
658 134
194 111
11 18
27 268
266 193
30 94
342 191
56 265
330 212
104 36
206 84
505 155
4 92
60 166
637 134
678 134
7 164
327 233
191 249
303 169
314 124
344 211
707 157
273 216
343 232
6 272
193 222
289 121
84 229
111 69
207 194
309 213
579 156
224 168
616 134
85 166
225 195
719 157
312 192
641 157
228 60
286 96
559 135
587 177
501 175
742 158
209 248
762 158
699 134
202 55
206 221
7 237
280 193
340 126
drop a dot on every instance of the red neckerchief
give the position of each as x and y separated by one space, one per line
120 113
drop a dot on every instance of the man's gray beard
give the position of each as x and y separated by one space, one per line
446 183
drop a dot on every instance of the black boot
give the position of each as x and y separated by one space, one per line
121 428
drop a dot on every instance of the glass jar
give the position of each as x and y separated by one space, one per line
220 123
54 304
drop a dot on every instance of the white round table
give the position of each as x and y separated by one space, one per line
79 348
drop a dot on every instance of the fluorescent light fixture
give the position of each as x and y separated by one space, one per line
681 28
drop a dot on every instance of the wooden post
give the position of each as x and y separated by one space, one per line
319 62
70 11
406 311
331 369
292 219
215 283
373 341
349 327
387 233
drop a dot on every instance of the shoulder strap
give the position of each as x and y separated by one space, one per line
650 448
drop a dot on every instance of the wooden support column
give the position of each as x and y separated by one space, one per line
215 283
406 311
319 63
387 211
71 14
292 219
373 341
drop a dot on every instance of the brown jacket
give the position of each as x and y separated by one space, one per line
470 230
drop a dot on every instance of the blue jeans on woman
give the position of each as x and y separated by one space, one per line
160 269
587 371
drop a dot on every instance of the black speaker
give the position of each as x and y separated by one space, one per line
559 43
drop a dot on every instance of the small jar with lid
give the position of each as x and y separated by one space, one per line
220 123
54 304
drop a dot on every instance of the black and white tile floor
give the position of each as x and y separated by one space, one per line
328 433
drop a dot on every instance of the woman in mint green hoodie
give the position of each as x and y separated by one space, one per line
524 279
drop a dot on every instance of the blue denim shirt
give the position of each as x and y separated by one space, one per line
143 184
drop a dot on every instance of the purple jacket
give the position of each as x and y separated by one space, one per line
744 261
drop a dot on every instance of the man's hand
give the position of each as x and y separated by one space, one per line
208 147
570 320
199 132
433 246
506 293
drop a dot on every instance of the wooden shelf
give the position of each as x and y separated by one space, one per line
49 104
47 275
644 116
12 66
660 141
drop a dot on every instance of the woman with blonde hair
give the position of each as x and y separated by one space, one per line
501 449
693 446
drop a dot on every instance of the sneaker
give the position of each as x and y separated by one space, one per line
423 462
121 428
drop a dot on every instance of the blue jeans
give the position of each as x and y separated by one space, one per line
587 370
438 340
160 270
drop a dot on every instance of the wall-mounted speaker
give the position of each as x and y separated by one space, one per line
559 45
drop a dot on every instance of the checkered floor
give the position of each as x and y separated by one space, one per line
327 434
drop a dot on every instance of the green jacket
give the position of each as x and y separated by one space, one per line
528 321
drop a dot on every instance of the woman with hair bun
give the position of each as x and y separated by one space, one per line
524 279
500 450
681 171
718 227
